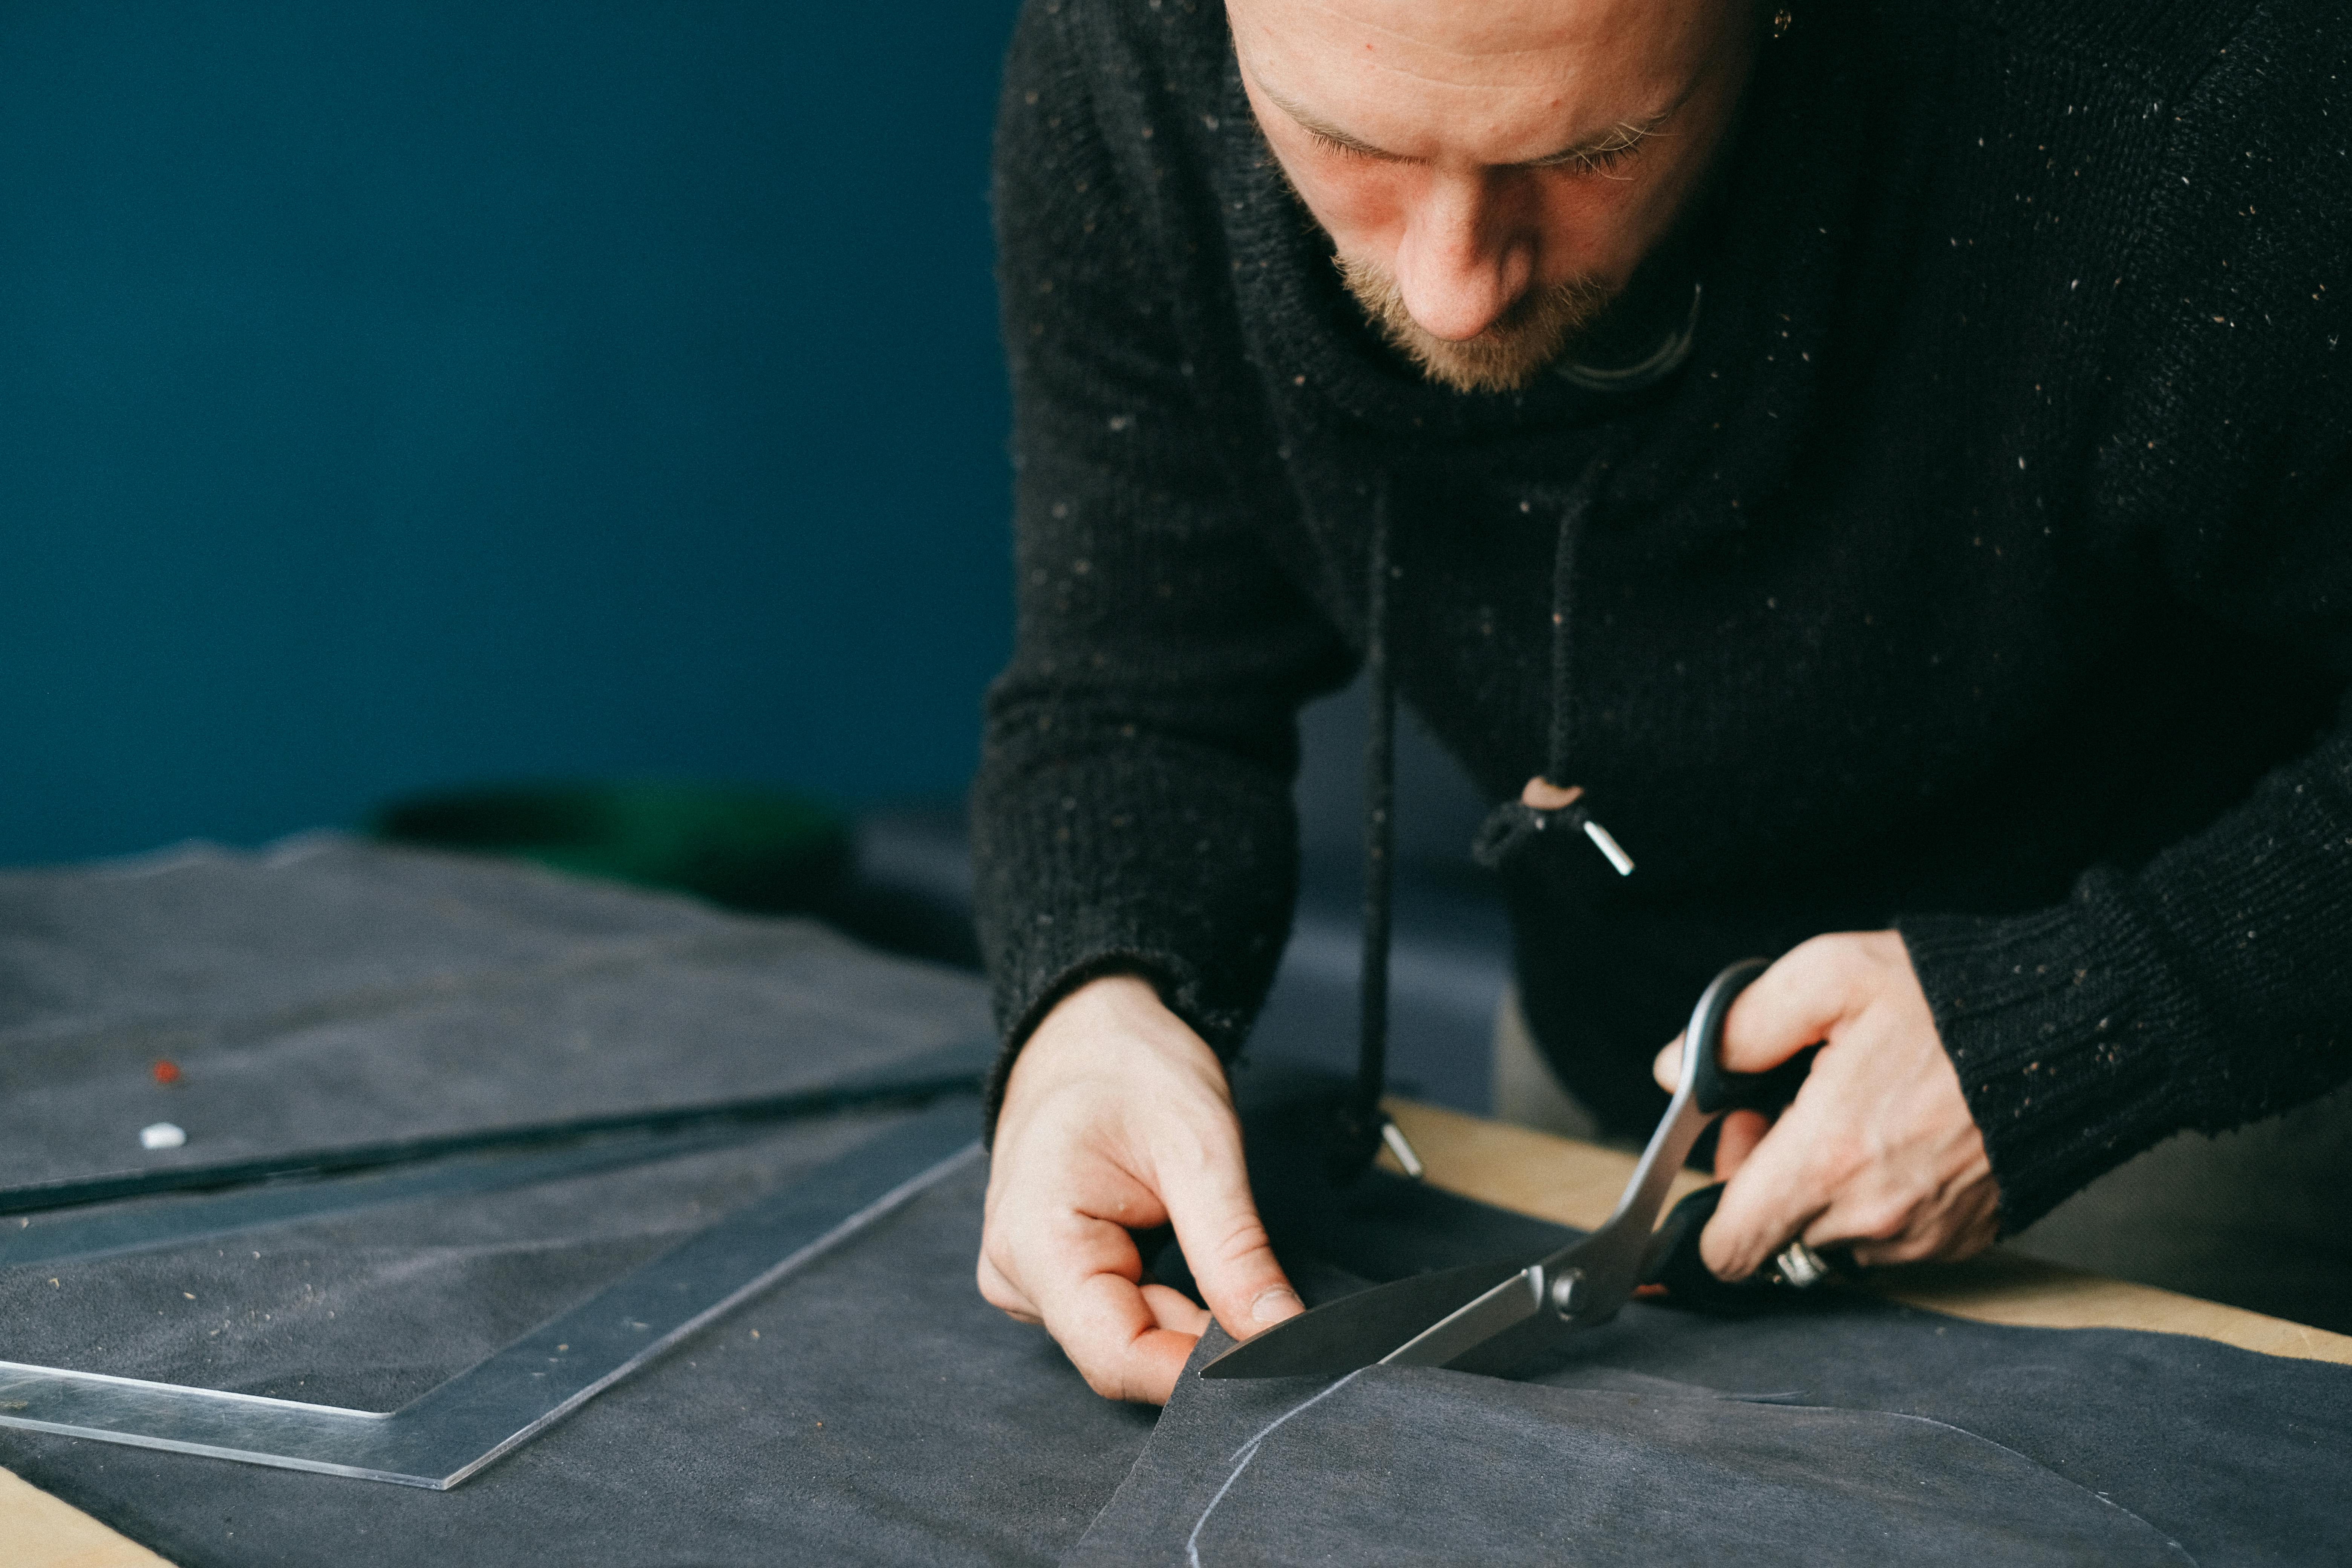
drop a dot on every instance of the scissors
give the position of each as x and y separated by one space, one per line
1495 1317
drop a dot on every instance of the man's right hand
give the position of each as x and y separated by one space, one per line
1116 1120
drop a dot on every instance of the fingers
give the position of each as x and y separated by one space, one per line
1116 1119
1878 1149
1054 1252
1174 1310
1004 1295
1794 1004
1741 1132
1225 1243
1079 1275
1668 1068
1774 1192
1769 1200
1542 794
1116 1334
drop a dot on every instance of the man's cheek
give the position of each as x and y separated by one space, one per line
1360 203
1598 227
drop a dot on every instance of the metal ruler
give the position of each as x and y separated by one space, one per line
504 1401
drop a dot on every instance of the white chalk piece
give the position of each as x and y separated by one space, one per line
161 1135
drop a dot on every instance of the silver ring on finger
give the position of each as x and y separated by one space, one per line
1799 1266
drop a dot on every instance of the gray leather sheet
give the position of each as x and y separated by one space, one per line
370 1307
871 1407
1838 1429
329 993
1413 1465
332 993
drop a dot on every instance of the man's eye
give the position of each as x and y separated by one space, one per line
1333 145
1606 156
1601 161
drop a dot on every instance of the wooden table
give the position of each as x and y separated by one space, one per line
1550 1178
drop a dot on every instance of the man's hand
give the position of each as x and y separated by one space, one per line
1116 1119
1878 1151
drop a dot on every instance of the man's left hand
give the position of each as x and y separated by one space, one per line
1877 1152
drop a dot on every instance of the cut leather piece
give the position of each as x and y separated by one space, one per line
1418 1465
2239 1456
2236 1456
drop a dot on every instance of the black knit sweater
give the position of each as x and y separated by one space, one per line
1986 571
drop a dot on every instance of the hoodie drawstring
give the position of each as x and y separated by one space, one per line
1361 1126
1511 827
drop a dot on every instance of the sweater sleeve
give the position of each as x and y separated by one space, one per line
2213 986
1133 811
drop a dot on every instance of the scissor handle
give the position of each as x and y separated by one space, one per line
1610 1259
1673 1262
1673 1258
1714 1088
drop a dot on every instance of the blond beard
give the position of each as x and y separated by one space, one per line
1506 356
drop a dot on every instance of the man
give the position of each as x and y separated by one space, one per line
1887 462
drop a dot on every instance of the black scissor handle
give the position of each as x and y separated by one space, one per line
1672 1261
1714 1088
1673 1257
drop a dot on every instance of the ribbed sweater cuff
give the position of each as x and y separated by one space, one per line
2066 1027
1112 866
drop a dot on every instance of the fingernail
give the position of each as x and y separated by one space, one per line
1276 1304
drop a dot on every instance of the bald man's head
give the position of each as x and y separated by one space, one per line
1491 172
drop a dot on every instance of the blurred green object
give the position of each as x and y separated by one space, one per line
762 850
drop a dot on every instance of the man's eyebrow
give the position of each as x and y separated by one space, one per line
1315 125
1622 137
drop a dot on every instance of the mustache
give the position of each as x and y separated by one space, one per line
1506 356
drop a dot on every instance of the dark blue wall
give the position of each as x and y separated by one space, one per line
426 392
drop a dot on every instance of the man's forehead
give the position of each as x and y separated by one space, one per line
1468 31
1394 72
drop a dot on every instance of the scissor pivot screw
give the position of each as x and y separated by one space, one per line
1568 1294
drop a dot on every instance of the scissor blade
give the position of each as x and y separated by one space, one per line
1506 1306
1359 1329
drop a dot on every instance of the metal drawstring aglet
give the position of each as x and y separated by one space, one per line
1541 806
1609 847
1393 1136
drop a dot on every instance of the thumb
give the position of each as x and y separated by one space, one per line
1789 1006
1217 1224
1781 1012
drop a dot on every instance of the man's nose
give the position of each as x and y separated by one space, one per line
1464 260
